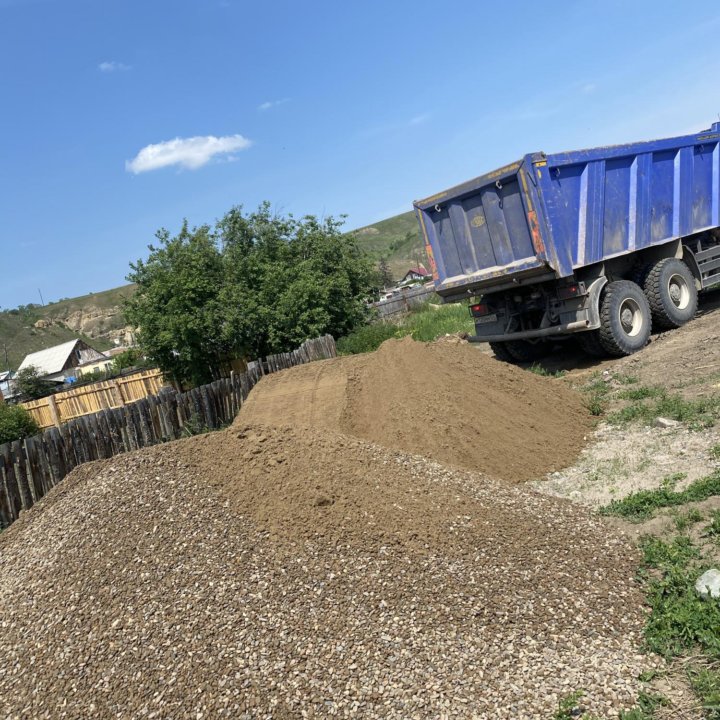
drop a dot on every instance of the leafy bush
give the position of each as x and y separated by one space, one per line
254 284
16 423
131 357
366 338
30 383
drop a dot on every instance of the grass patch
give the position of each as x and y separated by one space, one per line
715 452
648 404
644 708
538 369
429 322
684 520
366 338
680 620
568 708
425 324
705 683
641 505
712 530
596 395
641 393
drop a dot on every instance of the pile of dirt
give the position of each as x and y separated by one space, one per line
284 572
445 401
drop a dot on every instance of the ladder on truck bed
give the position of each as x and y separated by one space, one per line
709 264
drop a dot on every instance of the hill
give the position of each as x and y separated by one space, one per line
98 318
396 240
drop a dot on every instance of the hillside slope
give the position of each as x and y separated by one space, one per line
397 240
96 318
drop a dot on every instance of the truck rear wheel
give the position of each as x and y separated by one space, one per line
625 318
501 352
671 292
524 351
590 344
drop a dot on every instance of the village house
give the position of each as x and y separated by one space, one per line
62 362
416 274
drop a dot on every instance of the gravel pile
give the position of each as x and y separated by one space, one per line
276 573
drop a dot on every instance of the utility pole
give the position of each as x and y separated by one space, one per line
42 302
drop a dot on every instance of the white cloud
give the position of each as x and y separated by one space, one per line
272 103
191 153
419 119
109 66
588 88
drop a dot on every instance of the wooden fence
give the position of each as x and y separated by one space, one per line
405 301
30 467
103 395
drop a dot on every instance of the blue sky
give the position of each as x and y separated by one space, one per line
121 117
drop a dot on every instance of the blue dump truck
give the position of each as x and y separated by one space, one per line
602 245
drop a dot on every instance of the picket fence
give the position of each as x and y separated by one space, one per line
103 395
29 468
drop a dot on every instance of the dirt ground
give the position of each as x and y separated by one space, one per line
621 460
357 545
443 400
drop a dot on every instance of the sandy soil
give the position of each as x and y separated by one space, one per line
444 400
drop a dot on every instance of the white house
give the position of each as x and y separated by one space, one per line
59 363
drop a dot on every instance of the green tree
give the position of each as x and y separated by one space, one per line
132 357
30 383
386 277
176 306
256 284
16 423
287 280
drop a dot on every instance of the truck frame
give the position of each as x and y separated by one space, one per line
600 244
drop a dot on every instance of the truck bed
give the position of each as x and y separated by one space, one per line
545 216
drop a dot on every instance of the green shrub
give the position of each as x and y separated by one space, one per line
430 322
366 338
16 423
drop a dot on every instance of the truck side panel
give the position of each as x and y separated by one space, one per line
606 202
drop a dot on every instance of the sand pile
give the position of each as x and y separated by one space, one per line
445 401
280 572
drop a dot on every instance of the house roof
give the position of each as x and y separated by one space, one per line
52 360
420 270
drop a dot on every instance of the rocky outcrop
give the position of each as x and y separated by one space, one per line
93 322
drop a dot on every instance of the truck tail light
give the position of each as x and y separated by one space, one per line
571 291
479 309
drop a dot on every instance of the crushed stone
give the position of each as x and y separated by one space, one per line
284 572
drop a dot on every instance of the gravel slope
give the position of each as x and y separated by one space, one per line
268 572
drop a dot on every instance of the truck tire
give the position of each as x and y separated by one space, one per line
639 273
524 351
625 318
590 344
671 292
501 352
